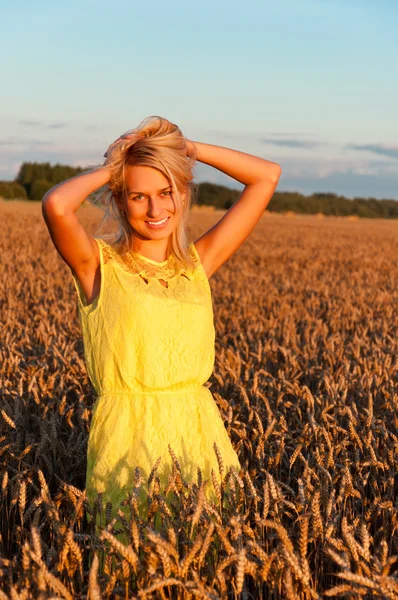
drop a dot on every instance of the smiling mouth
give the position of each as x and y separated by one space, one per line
161 222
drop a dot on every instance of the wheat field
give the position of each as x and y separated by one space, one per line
306 380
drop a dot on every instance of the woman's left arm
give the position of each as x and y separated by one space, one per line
260 178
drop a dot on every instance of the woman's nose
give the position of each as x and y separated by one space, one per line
155 208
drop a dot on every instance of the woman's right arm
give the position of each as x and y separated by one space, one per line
59 205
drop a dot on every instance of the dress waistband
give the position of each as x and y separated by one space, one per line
150 392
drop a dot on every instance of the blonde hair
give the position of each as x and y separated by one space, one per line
157 143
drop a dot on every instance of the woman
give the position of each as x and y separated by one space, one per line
145 304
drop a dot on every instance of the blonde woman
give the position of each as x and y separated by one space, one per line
145 306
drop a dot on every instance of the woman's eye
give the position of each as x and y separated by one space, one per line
141 196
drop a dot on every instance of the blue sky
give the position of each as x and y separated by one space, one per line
310 84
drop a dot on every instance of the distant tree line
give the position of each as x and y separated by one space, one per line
332 204
328 204
35 179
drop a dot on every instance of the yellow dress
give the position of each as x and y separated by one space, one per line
149 351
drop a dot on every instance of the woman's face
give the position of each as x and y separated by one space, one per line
150 198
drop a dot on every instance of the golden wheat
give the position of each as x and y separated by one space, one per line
306 381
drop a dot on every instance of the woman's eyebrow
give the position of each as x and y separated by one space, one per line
163 190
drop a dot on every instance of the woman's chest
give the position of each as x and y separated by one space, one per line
138 308
181 291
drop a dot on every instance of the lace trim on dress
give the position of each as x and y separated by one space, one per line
132 262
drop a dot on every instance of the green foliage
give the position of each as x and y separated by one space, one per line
10 190
332 204
326 203
217 195
31 172
38 188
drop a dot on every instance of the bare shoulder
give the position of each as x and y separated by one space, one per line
89 275
74 244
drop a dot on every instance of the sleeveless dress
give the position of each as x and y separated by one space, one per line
149 350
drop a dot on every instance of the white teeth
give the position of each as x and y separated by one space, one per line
157 222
